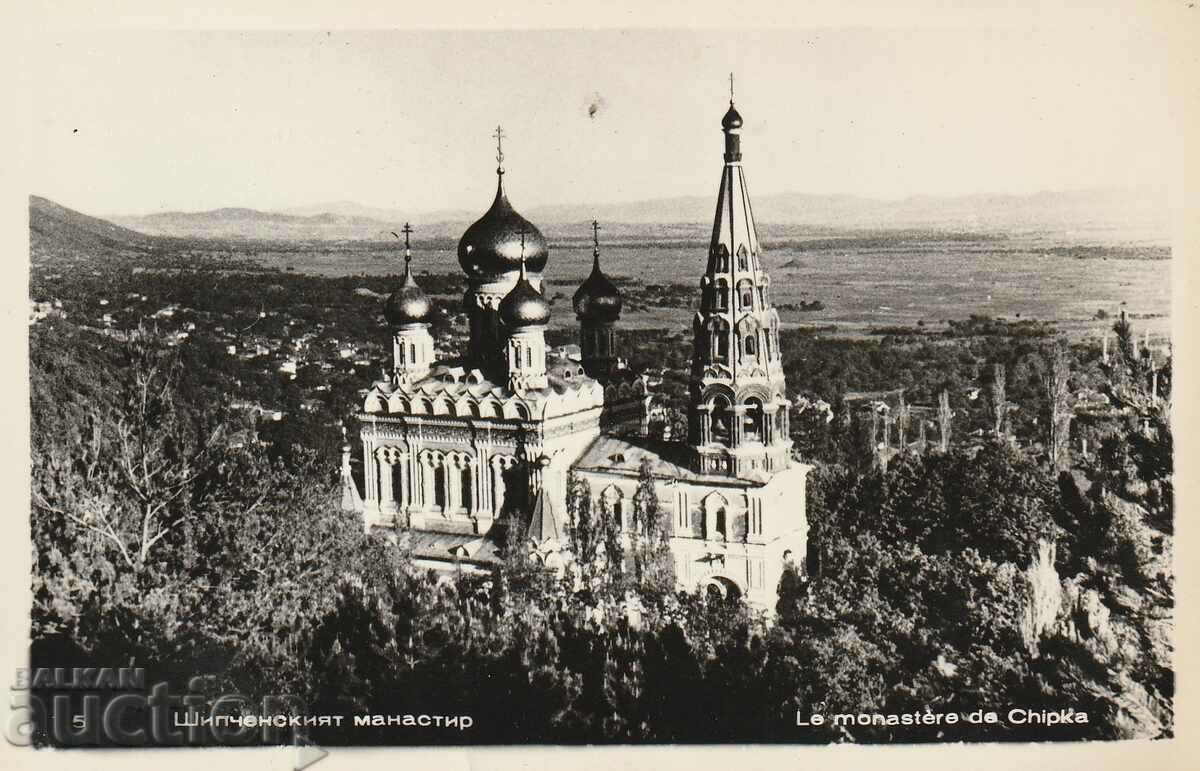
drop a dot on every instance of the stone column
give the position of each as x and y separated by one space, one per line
447 487
497 474
738 413
704 413
427 482
405 497
370 486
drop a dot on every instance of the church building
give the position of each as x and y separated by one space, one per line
457 451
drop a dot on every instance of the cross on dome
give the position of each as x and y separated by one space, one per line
499 135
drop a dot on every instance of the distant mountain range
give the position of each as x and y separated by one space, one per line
1119 211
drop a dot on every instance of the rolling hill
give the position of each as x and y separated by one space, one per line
53 226
1107 214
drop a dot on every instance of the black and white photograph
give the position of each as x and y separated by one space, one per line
497 384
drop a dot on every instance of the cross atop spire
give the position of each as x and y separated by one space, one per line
499 135
595 238
407 231
731 88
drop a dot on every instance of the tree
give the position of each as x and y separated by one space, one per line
653 564
1058 417
585 533
998 403
944 417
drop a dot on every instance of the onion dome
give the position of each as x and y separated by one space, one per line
732 119
524 306
492 245
597 297
408 304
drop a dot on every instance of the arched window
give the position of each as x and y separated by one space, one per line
720 421
747 296
467 488
439 485
743 261
412 352
750 347
722 297
528 358
754 420
722 345
722 262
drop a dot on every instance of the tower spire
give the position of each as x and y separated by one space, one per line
738 411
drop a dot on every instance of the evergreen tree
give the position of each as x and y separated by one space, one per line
654 566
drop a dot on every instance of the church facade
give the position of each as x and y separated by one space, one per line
455 452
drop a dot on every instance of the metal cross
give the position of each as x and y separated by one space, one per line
499 135
731 88
596 234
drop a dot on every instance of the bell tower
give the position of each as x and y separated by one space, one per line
738 412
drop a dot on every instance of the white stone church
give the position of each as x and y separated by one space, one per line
456 451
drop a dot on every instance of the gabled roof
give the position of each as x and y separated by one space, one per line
543 525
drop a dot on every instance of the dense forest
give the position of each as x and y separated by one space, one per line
1001 564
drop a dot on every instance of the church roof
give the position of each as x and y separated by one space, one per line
408 304
465 547
543 525
624 455
493 244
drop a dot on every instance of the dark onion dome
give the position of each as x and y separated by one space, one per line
524 306
408 304
597 297
732 119
492 245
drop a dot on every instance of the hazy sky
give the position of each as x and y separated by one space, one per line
138 121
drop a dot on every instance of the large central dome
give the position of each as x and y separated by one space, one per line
491 247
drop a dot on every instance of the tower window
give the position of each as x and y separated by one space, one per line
528 358
750 348
721 263
747 297
743 260
719 415
412 352
722 346
754 421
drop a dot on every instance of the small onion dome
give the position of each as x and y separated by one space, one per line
492 245
408 304
597 297
524 306
732 119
